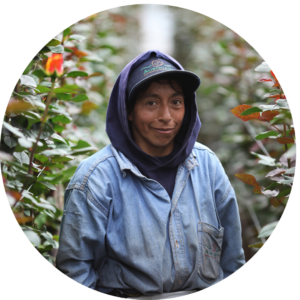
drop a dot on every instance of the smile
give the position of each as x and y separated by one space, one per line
164 130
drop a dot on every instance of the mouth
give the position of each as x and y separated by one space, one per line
164 130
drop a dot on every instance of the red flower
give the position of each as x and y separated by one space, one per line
277 82
55 65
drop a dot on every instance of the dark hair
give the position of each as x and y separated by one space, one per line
144 88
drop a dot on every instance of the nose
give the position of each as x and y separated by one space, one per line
164 114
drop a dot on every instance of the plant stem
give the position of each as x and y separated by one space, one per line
44 118
285 146
42 125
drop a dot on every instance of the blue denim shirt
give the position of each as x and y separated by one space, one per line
121 230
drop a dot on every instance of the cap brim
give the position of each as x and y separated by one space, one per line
189 81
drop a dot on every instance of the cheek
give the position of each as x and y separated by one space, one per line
142 119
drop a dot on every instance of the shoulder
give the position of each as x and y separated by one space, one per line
101 160
205 156
201 150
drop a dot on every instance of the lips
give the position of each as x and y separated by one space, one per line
164 130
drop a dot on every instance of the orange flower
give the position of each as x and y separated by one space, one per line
54 64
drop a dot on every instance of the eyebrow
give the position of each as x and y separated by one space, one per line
157 96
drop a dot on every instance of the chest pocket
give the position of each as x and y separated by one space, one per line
210 246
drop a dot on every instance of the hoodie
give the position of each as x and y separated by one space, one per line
160 169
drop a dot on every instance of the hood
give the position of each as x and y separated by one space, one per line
118 131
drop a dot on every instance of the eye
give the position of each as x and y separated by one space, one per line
177 102
151 103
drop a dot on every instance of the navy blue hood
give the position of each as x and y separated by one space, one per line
118 131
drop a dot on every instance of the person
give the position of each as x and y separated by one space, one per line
153 212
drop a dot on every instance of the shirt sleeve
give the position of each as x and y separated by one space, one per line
232 257
82 237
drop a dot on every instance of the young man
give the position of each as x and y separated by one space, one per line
153 212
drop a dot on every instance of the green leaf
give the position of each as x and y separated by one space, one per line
265 160
57 179
10 141
63 96
66 32
47 130
48 185
270 107
82 150
49 239
290 171
45 249
49 164
41 158
266 134
81 144
55 136
44 50
284 193
69 172
31 114
16 165
91 58
62 159
271 186
28 67
287 181
75 74
263 67
22 157
54 152
80 98
27 81
285 201
58 128
267 230
56 49
40 89
77 37
53 42
19 122
39 73
257 245
61 119
13 130
33 237
35 78
39 149
282 103
25 143
64 91
250 111
68 50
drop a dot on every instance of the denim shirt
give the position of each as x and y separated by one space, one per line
121 230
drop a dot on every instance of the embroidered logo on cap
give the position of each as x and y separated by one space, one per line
157 65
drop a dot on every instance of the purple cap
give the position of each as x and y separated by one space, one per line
153 69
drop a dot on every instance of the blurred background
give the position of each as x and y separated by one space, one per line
219 55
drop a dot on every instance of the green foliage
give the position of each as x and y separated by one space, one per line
283 174
54 120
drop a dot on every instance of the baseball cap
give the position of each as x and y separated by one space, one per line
155 68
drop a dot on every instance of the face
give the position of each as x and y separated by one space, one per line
157 117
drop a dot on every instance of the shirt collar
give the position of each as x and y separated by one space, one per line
125 164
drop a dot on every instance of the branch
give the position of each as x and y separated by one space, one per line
253 134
